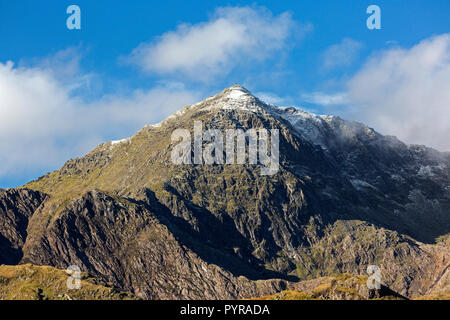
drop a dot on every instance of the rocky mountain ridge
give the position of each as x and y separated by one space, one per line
345 197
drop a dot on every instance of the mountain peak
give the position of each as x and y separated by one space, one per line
235 97
237 92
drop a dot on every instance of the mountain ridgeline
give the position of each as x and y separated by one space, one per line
344 197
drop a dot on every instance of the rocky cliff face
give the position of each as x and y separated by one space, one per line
134 245
344 197
16 208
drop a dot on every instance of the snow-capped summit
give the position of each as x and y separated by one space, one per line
235 97
315 128
236 91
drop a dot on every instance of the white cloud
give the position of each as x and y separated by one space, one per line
233 36
325 99
270 97
406 93
342 54
63 65
42 122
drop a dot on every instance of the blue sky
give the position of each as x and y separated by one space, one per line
136 62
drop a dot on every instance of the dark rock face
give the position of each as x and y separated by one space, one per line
16 207
122 241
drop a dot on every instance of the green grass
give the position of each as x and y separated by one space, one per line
30 282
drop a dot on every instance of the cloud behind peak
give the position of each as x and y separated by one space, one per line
231 37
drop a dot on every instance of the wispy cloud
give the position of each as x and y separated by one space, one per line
233 36
271 98
43 122
342 54
325 99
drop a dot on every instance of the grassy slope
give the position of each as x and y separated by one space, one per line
29 282
346 286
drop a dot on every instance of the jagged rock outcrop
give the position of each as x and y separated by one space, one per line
16 208
125 242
